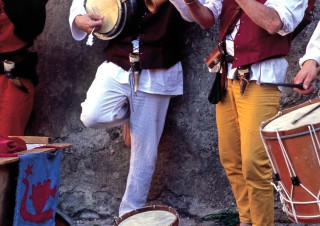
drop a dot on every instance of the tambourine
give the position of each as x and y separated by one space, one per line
116 13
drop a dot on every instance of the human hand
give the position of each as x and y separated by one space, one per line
305 76
88 22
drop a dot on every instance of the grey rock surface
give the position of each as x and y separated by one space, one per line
188 176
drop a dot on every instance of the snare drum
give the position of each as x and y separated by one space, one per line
156 215
291 139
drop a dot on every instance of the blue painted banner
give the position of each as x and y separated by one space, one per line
37 189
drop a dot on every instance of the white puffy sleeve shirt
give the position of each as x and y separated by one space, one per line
313 47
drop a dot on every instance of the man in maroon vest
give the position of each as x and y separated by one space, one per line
18 64
256 45
116 98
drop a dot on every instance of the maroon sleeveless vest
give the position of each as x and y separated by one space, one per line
161 39
252 43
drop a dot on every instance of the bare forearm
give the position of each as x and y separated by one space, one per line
265 17
201 14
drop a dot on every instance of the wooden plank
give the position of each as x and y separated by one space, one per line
7 160
34 139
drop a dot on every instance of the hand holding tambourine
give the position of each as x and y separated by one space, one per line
88 22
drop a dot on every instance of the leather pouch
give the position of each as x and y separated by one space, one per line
214 58
214 62
217 90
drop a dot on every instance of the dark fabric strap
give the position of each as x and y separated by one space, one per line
28 17
25 64
232 22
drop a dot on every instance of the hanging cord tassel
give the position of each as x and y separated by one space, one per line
90 38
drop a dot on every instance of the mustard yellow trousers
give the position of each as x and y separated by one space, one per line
242 153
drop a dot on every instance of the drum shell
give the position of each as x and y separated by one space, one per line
303 155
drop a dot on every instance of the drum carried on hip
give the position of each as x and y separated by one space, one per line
291 139
116 13
156 215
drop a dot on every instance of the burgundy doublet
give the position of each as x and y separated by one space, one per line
252 43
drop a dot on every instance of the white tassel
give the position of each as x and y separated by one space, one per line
90 39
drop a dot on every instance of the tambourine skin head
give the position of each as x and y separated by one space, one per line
114 13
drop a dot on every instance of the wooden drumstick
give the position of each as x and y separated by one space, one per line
304 115
290 85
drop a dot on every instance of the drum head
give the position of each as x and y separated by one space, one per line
149 216
109 9
300 117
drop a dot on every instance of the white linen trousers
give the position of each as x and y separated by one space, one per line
107 106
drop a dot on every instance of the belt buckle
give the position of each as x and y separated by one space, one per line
243 70
243 77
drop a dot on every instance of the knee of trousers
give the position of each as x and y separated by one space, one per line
95 121
88 121
259 171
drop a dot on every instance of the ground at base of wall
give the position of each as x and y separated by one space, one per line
183 222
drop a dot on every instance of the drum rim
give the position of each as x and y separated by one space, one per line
125 216
298 131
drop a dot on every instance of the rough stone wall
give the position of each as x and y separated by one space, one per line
188 176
